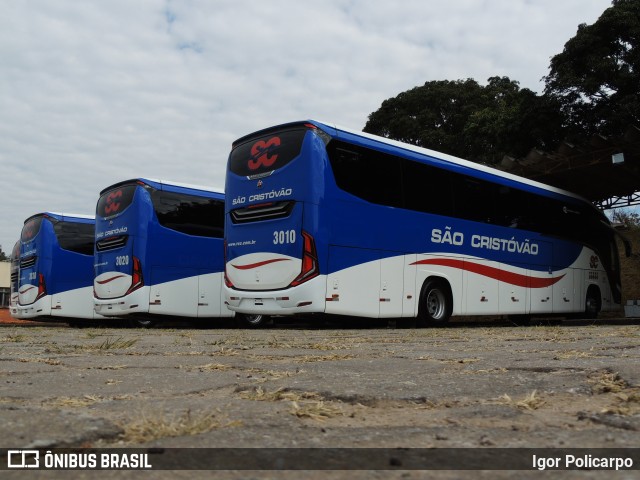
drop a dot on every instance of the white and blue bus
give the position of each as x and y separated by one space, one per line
321 219
55 273
159 251
15 272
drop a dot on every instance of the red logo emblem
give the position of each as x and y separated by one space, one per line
593 262
113 206
260 153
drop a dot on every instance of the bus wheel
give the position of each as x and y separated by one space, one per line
592 302
245 320
436 302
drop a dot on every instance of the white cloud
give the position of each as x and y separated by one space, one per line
95 92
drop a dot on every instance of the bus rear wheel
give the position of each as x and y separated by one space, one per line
245 320
592 303
436 303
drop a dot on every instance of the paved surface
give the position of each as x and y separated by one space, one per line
573 384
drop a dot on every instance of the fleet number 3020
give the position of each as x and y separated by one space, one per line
122 260
280 237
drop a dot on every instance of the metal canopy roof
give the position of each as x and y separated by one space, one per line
595 170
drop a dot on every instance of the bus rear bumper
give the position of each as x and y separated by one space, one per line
306 298
136 302
39 308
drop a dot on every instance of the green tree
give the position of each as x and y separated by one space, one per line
3 256
466 119
597 76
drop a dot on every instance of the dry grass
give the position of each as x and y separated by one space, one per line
626 398
209 367
574 354
529 402
607 382
261 395
315 410
48 361
303 404
14 338
146 426
73 402
116 344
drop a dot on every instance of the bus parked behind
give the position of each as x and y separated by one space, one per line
55 272
159 251
15 269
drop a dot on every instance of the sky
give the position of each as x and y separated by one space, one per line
94 92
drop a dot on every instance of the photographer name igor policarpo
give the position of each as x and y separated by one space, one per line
590 462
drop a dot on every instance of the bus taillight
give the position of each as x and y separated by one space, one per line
309 261
136 276
42 288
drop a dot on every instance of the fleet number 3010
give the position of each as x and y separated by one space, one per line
281 237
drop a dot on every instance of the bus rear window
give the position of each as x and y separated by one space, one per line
31 229
76 237
190 214
115 201
261 155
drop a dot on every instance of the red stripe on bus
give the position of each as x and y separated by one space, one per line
259 264
102 282
492 272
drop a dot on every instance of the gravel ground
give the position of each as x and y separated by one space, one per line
473 385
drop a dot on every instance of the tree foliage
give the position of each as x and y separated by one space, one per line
466 119
3 256
593 87
597 76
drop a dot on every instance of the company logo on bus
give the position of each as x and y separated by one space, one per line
262 153
112 205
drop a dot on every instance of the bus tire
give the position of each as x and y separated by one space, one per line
592 302
436 303
245 320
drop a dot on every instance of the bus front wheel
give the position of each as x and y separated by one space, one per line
436 302
245 320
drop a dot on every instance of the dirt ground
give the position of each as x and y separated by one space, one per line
472 385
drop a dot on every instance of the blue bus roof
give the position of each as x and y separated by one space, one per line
476 169
69 217
170 186
426 155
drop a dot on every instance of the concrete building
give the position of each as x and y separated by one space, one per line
5 284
